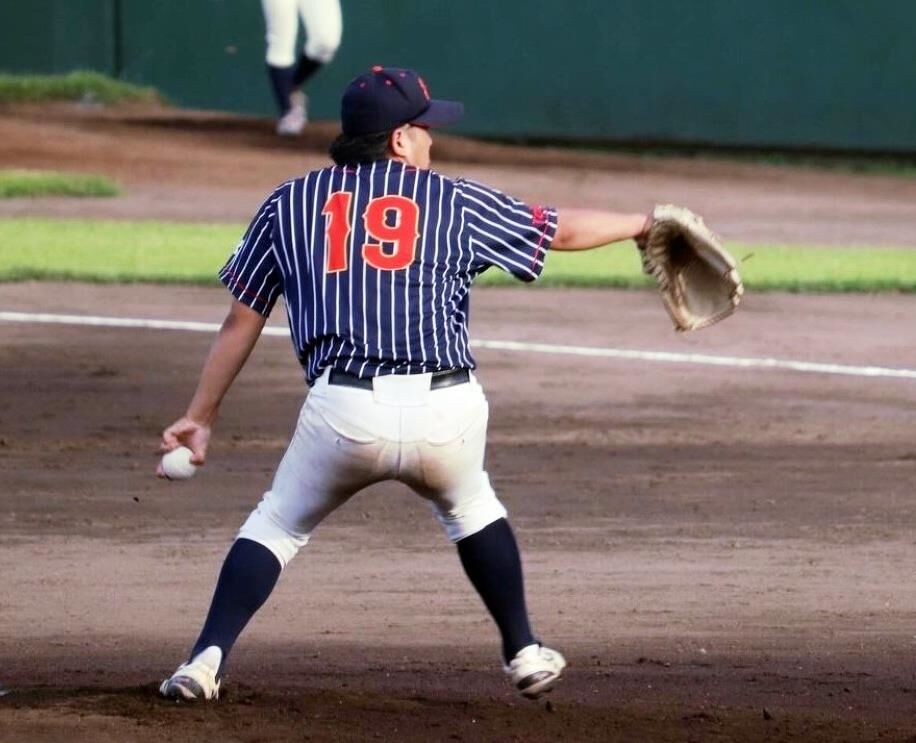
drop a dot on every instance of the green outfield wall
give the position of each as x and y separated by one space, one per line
821 74
56 35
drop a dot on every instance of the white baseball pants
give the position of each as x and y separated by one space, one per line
347 439
323 28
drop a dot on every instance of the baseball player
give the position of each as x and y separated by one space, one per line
375 257
323 23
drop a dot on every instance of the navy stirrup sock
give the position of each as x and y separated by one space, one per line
247 578
492 563
281 81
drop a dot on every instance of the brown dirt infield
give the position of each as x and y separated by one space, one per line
723 554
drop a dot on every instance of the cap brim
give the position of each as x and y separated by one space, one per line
440 113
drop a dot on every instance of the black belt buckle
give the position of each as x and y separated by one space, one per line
439 380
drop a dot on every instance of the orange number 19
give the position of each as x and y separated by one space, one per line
402 233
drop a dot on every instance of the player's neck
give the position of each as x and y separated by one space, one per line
405 160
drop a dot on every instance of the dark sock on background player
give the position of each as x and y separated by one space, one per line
491 561
247 578
282 82
285 80
305 68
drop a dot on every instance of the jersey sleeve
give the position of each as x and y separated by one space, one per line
251 274
506 232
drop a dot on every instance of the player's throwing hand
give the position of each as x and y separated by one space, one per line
189 433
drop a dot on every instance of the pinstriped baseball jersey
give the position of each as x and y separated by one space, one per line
375 263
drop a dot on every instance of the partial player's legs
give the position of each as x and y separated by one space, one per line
247 578
323 23
491 561
323 27
281 19
322 468
446 467
346 439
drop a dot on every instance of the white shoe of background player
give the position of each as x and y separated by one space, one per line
294 120
535 670
195 680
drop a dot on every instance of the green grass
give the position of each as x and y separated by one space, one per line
762 268
74 86
108 251
20 183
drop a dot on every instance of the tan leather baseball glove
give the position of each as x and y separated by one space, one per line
697 278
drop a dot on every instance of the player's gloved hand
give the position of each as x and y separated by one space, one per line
696 277
189 433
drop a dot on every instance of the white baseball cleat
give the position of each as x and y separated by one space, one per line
195 681
535 670
294 120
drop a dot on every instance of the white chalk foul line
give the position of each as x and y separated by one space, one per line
703 359
668 357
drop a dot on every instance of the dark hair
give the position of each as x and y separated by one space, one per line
362 148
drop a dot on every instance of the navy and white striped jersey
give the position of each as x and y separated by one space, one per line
376 262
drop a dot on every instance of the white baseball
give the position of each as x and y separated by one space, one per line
177 465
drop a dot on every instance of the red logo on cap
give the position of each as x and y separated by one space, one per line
423 87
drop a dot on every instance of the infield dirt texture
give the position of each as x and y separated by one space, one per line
723 554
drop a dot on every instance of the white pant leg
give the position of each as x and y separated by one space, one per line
335 451
281 19
445 463
323 23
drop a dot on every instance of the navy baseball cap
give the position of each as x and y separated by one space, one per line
388 97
